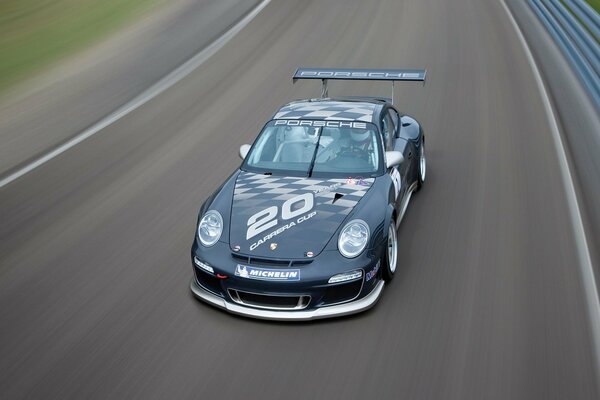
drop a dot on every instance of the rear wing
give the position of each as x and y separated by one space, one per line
363 74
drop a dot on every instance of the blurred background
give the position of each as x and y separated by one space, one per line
64 65
35 33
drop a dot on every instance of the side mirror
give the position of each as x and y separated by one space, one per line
244 149
393 158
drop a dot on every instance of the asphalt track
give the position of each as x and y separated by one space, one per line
488 302
78 92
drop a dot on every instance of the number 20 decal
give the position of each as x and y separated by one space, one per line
265 219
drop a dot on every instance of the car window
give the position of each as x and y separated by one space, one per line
395 118
347 151
289 147
388 131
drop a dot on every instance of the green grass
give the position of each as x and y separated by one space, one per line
34 33
595 4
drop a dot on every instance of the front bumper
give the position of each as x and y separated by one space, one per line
310 296
352 307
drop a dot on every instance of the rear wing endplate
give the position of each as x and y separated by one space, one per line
363 74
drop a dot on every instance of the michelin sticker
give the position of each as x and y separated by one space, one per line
248 272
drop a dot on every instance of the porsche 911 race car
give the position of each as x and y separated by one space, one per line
306 227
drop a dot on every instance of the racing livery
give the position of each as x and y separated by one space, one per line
306 227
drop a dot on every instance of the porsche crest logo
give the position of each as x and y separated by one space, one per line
273 246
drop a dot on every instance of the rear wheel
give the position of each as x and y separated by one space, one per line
422 165
390 256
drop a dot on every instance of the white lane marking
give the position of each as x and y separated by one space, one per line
166 82
583 252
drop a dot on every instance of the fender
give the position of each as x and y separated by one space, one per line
220 200
388 219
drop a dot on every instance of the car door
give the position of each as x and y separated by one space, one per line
397 173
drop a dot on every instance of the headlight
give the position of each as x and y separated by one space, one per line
353 238
210 228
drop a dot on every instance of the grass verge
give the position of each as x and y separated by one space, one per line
34 33
595 4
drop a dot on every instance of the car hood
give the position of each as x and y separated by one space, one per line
289 217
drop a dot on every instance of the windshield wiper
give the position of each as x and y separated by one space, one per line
314 156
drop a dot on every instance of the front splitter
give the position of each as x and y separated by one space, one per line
301 315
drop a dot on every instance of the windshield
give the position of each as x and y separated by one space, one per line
316 148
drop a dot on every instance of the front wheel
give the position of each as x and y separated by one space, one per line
390 256
422 165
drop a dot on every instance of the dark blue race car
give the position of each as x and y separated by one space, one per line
306 228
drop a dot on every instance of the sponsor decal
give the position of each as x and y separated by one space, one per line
242 271
372 273
360 74
248 272
236 247
357 182
318 124
309 254
349 181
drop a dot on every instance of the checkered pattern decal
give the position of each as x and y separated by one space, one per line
257 192
330 110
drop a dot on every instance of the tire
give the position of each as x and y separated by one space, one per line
390 254
422 165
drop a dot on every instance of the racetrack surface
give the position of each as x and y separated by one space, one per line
488 301
77 92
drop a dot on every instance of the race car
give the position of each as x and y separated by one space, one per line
306 228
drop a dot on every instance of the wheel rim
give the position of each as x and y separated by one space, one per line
392 248
423 163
